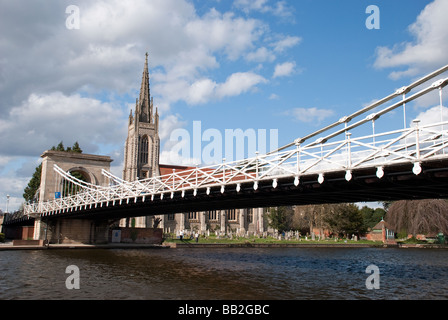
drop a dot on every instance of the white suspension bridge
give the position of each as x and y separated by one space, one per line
348 160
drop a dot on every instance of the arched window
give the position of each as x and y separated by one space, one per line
250 215
144 150
231 215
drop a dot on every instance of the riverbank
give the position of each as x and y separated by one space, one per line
276 245
302 245
10 246
236 244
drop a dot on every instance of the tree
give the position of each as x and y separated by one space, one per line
346 219
372 216
309 217
280 218
76 148
60 147
419 216
33 185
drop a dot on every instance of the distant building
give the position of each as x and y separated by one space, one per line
142 148
381 232
141 161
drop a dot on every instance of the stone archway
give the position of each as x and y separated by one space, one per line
88 165
85 175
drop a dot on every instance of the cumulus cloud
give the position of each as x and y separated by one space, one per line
238 83
279 8
45 119
284 69
261 55
107 51
285 43
427 51
433 115
204 90
310 114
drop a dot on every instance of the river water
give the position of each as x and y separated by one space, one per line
225 274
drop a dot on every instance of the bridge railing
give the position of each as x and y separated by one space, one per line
411 145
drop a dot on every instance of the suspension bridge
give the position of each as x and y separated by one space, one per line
350 160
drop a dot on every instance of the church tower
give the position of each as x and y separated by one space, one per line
142 148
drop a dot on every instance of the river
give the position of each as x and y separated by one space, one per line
228 274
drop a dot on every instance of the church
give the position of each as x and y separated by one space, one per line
141 161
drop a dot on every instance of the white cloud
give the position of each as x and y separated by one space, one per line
201 91
238 83
106 52
310 114
204 90
233 35
261 55
286 43
432 115
427 51
279 9
284 69
43 120
168 124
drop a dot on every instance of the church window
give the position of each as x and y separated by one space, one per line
144 150
212 215
231 215
193 216
250 215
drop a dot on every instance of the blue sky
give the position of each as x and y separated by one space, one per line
293 66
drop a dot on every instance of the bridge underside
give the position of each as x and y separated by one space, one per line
398 183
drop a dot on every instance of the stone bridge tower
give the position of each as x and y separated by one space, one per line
89 166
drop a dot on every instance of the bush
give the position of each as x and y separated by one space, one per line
2 237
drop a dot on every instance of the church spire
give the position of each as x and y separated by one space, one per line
144 102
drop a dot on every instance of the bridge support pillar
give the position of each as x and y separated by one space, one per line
38 227
71 231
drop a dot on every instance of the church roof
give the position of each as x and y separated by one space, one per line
379 225
168 169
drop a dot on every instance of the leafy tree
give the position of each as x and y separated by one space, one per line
280 218
372 216
60 147
33 185
346 219
76 148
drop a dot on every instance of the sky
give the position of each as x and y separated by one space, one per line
71 70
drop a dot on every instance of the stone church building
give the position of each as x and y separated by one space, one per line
141 161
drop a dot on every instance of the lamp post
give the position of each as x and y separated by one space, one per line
7 202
